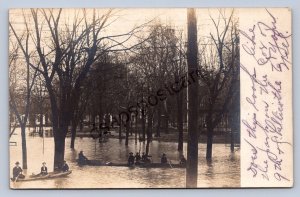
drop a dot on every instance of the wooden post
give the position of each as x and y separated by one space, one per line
192 147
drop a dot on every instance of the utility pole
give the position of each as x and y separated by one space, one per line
192 146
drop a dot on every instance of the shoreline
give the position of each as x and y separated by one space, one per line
172 136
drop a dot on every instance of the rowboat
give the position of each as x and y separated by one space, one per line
140 165
50 175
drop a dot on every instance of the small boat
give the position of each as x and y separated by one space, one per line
139 165
50 175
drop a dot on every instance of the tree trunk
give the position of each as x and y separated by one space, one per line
127 132
59 149
41 124
180 120
120 129
158 121
130 127
232 141
73 134
234 126
46 119
24 146
135 129
166 120
143 126
192 147
149 131
210 135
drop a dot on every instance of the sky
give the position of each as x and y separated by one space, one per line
127 19
124 20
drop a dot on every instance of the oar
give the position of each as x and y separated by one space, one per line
16 179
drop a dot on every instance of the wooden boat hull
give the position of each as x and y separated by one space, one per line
141 165
51 175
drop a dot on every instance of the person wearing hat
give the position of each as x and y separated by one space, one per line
144 157
17 172
65 167
137 158
182 160
130 159
82 160
164 159
44 170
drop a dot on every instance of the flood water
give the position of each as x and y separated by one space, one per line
223 171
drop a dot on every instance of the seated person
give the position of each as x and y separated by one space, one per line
131 159
164 159
44 170
17 172
137 158
182 160
65 167
82 160
145 158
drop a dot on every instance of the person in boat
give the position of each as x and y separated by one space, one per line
44 169
145 158
182 160
17 172
82 160
65 167
164 159
130 159
137 158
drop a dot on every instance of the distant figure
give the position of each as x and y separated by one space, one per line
137 158
107 121
130 159
94 128
182 160
81 125
44 169
65 167
82 160
17 172
164 159
94 132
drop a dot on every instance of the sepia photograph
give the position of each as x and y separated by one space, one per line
124 98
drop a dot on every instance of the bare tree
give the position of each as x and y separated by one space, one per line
19 92
79 109
40 104
66 51
219 71
178 70
154 61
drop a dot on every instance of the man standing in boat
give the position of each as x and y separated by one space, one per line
82 160
17 172
65 167
44 169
